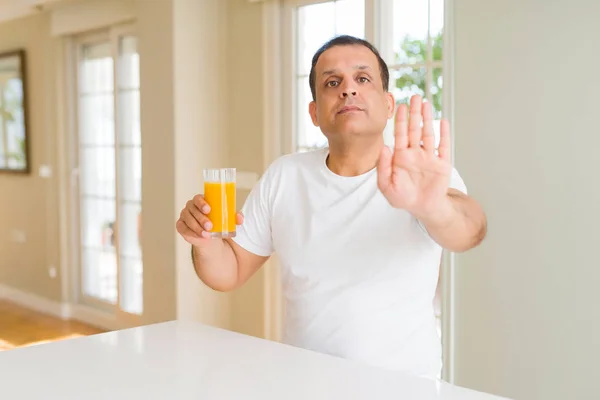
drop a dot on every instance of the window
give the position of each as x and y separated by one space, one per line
414 39
417 45
109 165
409 35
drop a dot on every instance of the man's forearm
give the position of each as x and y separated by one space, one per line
460 226
216 265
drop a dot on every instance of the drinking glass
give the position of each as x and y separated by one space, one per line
219 193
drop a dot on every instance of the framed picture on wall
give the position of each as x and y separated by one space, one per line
14 144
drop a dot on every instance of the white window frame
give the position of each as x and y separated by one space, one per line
85 308
280 137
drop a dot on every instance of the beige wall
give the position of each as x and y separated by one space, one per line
207 60
155 32
30 203
201 105
527 139
246 128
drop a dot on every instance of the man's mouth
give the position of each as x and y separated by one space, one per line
348 109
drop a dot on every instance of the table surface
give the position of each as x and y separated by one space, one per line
188 360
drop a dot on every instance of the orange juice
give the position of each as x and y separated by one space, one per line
220 196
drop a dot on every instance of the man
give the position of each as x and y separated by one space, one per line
359 228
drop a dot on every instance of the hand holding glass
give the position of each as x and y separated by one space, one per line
220 194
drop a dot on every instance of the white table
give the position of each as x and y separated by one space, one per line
187 360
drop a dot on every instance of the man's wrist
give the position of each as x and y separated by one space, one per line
441 217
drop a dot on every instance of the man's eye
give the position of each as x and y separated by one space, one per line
332 83
363 79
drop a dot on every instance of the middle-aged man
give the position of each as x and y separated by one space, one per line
359 228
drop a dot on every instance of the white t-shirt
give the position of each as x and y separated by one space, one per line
358 276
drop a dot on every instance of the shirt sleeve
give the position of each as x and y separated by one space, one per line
254 234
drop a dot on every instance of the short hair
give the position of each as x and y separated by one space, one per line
347 40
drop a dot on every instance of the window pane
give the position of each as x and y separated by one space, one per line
131 266
408 81
350 17
410 31
96 68
316 25
99 274
129 229
96 119
436 27
130 177
131 285
98 228
129 63
97 169
308 134
129 113
437 101
436 92
99 261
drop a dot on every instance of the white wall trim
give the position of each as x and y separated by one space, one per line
35 302
63 174
272 148
448 260
65 311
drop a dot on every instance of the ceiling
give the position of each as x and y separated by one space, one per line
13 9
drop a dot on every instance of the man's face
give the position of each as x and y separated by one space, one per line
350 99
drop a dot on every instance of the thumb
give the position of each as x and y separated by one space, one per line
384 168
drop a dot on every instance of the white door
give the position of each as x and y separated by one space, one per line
108 166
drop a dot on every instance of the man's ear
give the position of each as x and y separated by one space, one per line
312 110
391 104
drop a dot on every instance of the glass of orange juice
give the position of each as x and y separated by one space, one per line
219 193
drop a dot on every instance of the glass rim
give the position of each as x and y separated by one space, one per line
219 174
228 169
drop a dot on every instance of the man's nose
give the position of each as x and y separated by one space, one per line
349 89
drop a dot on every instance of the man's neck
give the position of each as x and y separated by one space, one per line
353 159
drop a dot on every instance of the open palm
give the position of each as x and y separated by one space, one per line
414 177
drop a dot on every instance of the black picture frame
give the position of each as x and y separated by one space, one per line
14 113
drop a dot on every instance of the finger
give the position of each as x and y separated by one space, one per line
428 136
444 149
239 218
202 219
187 233
414 124
200 228
190 221
384 169
401 128
201 203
